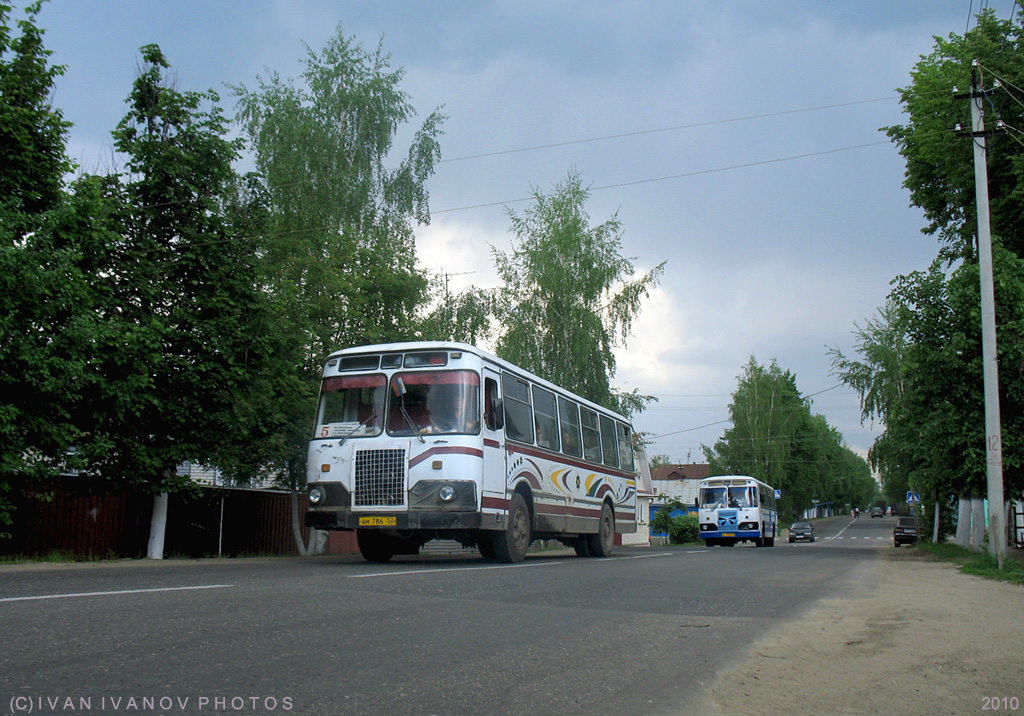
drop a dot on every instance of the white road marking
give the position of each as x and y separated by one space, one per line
120 591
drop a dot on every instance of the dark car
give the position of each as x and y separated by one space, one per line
801 532
905 531
876 511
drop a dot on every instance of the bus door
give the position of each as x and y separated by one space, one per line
492 429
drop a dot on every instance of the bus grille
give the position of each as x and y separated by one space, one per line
380 478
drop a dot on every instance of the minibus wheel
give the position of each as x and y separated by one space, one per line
510 545
375 546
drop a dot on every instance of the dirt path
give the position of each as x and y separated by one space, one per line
923 639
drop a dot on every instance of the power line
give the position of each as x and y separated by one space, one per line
642 132
699 172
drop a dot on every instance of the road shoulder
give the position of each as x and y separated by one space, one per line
925 639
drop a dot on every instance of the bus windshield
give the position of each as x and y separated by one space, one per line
712 497
434 403
350 406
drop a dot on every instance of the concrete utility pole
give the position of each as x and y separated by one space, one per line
993 431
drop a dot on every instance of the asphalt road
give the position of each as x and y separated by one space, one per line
643 632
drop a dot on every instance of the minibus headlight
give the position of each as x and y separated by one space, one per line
316 495
446 493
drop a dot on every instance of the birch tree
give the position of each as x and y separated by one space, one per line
569 296
338 252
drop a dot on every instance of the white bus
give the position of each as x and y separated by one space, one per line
736 508
435 440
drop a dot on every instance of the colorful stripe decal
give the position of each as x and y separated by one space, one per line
566 460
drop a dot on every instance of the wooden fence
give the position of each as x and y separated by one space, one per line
93 518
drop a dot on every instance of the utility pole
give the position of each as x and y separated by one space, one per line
993 431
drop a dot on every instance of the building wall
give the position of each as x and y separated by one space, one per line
684 490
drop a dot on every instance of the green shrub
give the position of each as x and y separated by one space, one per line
683 529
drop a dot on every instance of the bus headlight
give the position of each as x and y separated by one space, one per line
446 493
316 495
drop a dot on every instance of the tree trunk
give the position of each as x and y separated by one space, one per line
157 527
977 524
935 521
296 527
963 523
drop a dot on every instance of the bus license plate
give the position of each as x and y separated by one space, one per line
376 521
728 534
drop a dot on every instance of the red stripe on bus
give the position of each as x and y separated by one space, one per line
452 450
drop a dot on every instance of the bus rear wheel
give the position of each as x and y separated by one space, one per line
510 546
375 546
600 545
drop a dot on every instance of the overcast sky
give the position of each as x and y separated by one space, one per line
739 141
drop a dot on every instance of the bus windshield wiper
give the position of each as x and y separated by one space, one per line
353 431
409 420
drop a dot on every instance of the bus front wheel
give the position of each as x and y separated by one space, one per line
375 546
510 546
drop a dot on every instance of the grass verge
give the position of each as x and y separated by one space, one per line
982 564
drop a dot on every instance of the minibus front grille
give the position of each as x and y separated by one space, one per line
380 478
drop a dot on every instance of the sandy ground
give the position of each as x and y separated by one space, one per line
923 638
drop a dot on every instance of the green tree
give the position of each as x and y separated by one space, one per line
465 316
940 169
569 296
337 249
175 288
32 132
39 283
919 369
775 438
920 374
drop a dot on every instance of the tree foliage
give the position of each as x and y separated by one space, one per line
681 528
339 248
337 252
940 169
40 281
919 363
175 288
776 439
568 295
920 373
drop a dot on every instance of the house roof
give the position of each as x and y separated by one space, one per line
679 472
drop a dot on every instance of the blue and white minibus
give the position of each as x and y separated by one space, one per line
736 508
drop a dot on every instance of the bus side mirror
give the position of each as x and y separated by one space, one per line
495 417
695 501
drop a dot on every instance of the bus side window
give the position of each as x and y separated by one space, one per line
494 415
569 423
591 435
625 447
518 411
546 418
609 447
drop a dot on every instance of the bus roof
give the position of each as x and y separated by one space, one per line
729 480
409 346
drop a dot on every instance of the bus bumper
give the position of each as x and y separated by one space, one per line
425 509
335 519
733 534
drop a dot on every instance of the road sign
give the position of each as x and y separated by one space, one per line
778 494
913 497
